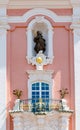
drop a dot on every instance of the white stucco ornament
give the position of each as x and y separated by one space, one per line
40 60
54 120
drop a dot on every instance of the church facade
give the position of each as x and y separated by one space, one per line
39 65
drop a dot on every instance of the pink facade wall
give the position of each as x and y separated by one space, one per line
17 65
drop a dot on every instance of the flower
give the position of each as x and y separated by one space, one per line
63 92
17 93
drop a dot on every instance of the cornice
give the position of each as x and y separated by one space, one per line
4 3
75 3
39 11
13 4
21 4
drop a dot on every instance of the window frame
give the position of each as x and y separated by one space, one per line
40 90
40 76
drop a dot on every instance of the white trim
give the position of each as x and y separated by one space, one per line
76 28
49 35
39 11
42 76
2 72
53 120
29 42
3 81
77 76
76 18
22 4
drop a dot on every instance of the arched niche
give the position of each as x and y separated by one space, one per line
39 23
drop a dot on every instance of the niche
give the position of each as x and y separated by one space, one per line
41 24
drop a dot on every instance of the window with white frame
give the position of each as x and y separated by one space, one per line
40 90
40 96
40 87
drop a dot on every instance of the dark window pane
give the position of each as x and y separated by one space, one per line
47 96
47 87
37 97
43 93
37 84
43 88
37 93
42 84
33 87
43 96
47 93
33 97
37 88
33 93
33 101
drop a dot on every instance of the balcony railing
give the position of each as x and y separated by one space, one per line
40 106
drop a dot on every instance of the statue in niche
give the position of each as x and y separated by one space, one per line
40 42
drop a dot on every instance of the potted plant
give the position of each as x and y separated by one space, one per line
17 93
63 92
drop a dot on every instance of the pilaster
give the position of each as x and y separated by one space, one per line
76 29
3 28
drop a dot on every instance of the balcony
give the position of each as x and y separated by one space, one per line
40 106
40 114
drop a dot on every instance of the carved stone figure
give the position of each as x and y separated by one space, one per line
40 42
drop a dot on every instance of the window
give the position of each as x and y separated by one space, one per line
40 87
40 92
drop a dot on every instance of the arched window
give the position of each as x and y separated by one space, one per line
40 96
40 90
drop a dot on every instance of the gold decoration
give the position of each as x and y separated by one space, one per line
39 60
63 92
17 93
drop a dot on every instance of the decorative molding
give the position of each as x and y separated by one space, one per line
75 26
40 76
75 3
22 4
39 11
76 18
47 30
35 4
39 19
3 21
77 31
35 75
3 28
53 120
39 64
